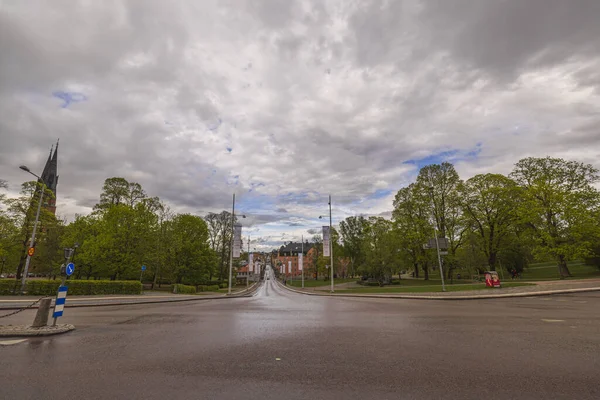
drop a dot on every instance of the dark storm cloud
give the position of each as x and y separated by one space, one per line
285 102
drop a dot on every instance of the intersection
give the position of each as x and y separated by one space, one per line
278 344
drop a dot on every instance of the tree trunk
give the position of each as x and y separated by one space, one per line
426 271
492 261
563 269
416 265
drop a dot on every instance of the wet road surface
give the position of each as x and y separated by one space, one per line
282 345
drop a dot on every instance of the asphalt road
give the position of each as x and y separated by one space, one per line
281 345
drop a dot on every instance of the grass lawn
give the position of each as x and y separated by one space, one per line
427 288
538 272
320 282
549 271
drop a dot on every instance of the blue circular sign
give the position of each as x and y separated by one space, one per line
70 269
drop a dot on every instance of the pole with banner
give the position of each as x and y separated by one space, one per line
290 270
301 261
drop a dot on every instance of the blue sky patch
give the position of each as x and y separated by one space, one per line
69 97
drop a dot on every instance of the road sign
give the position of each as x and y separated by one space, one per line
70 269
59 304
31 251
143 267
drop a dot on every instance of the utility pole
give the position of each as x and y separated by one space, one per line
302 250
32 240
437 241
231 246
331 243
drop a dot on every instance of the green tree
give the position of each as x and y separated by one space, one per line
489 204
411 214
441 182
352 235
559 205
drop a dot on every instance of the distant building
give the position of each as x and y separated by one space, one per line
290 252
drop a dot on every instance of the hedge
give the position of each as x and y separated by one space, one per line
208 288
7 286
184 289
39 287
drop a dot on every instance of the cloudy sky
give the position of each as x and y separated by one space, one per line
284 102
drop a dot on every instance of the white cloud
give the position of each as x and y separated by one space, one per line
291 100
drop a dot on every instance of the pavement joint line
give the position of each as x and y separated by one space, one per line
471 297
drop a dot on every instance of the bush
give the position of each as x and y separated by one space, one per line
212 288
7 286
224 285
184 289
40 287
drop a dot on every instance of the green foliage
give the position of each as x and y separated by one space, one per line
8 286
559 206
184 289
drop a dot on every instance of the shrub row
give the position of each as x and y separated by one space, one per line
183 289
208 288
76 287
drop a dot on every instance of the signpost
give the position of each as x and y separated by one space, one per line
59 303
31 251
70 269
142 273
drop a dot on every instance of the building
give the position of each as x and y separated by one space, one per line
290 251
50 179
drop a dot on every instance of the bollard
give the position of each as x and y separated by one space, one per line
41 317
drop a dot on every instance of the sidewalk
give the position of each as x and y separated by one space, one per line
540 289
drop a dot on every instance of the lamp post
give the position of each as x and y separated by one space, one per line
37 217
330 244
437 241
231 250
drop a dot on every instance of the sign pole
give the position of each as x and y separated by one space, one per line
302 261
330 244
32 243
231 252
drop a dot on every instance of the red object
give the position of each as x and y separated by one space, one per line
492 279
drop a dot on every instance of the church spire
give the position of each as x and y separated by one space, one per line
50 175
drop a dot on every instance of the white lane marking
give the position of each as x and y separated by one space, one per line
10 342
553 320
581 301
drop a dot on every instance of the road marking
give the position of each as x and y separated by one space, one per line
278 359
561 300
553 320
10 342
581 301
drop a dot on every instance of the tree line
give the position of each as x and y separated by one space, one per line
127 229
545 209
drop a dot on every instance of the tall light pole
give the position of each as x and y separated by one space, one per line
231 243
330 244
37 217
437 241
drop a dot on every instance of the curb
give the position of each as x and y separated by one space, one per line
473 297
200 298
26 330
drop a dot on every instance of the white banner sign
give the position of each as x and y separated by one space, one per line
300 261
326 241
251 262
289 267
237 240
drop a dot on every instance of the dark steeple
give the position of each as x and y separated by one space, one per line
50 176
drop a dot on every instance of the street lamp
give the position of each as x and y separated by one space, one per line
37 217
437 241
330 244
231 250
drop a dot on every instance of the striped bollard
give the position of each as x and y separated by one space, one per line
59 304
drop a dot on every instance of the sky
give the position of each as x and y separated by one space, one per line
286 102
